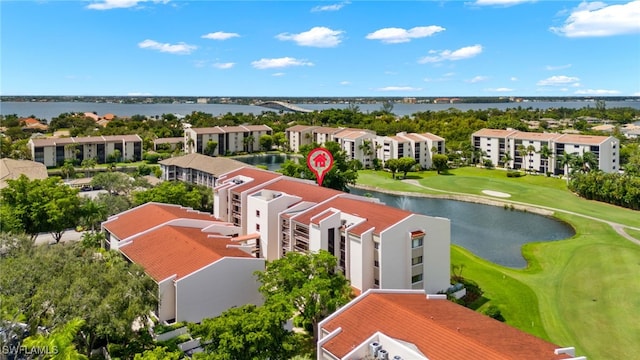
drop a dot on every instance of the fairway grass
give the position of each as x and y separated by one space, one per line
580 292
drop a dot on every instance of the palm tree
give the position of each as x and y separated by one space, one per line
565 160
93 212
505 160
522 153
59 344
530 151
545 154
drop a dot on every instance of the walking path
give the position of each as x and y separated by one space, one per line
539 209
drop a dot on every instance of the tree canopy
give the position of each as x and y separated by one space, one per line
179 193
51 286
248 332
310 283
39 205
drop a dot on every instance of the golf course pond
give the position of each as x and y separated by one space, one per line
494 233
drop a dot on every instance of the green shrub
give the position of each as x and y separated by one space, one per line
494 312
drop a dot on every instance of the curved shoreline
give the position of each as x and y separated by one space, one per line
466 198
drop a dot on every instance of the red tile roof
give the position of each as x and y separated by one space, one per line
177 250
440 329
148 215
308 192
376 215
259 176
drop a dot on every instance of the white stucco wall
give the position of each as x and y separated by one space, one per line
395 253
269 204
211 290
167 297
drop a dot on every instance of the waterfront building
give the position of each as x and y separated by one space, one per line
420 147
190 255
54 151
229 139
377 246
411 325
524 150
197 169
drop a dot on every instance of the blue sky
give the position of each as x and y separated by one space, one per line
320 48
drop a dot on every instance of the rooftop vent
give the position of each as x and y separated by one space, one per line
374 348
383 354
397 357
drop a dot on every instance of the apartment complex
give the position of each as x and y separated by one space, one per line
420 147
410 325
189 254
377 246
365 145
229 139
54 151
197 169
525 149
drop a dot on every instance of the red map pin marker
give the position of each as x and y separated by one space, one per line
320 162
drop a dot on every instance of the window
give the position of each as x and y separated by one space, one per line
417 242
376 282
376 263
416 278
416 260
257 227
257 213
376 245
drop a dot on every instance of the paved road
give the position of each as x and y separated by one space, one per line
69 235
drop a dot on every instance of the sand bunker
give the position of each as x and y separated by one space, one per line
496 193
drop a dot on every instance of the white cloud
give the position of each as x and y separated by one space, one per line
119 4
220 35
223 66
398 88
501 2
559 80
502 89
513 78
460 54
332 7
478 79
596 92
557 67
636 94
400 35
179 48
318 36
278 74
345 83
597 19
279 63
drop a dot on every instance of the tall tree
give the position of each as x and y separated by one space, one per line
406 164
440 162
113 181
309 282
210 148
179 193
36 206
566 160
248 332
545 155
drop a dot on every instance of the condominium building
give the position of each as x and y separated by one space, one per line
229 139
377 246
197 168
420 147
189 254
540 151
411 325
364 145
54 151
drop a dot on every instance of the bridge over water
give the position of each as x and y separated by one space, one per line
280 105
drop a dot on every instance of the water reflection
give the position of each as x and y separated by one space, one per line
491 232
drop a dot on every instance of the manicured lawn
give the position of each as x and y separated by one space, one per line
580 292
